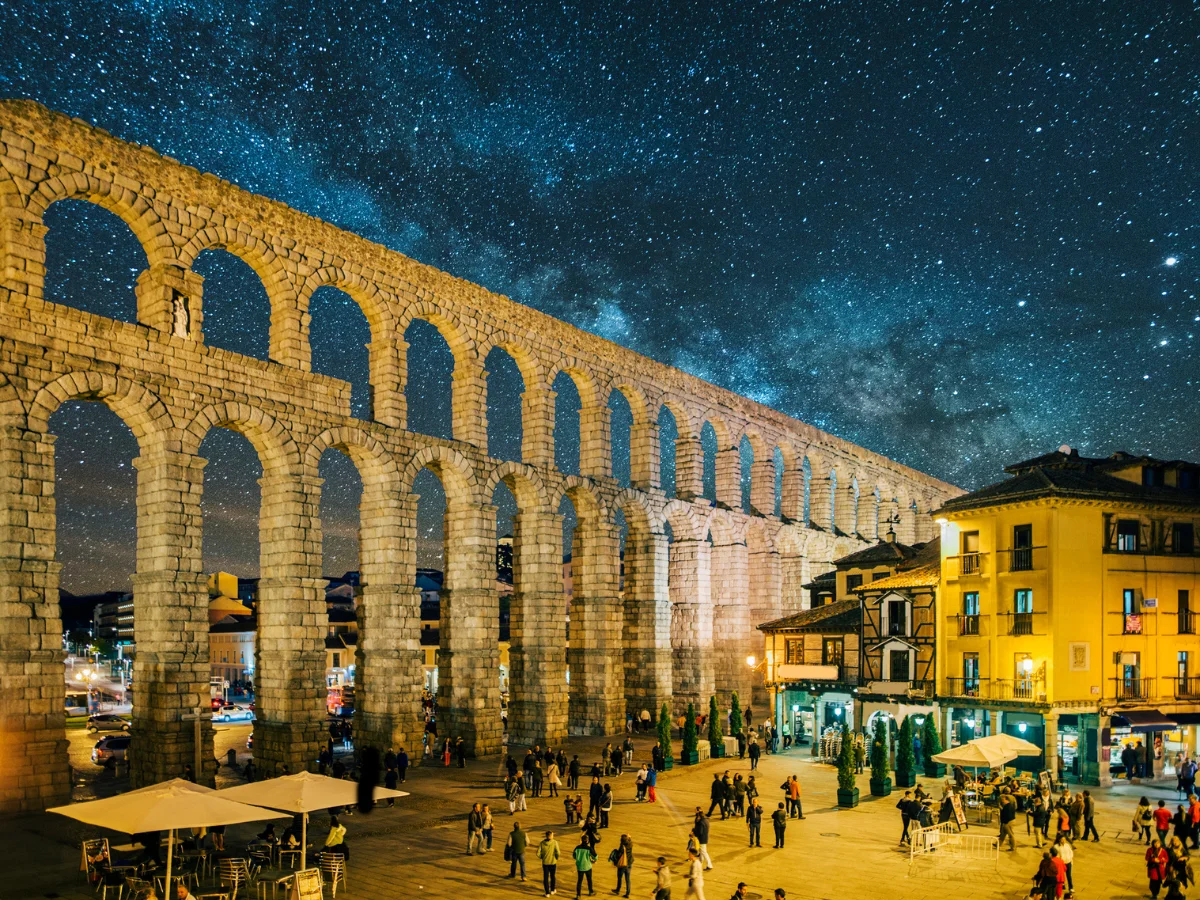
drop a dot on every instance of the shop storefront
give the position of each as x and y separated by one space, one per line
1138 739
1028 727
967 724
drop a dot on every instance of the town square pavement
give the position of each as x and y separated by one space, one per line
417 849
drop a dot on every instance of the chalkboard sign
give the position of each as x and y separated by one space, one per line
959 816
306 885
1045 782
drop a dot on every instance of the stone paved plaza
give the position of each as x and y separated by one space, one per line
418 848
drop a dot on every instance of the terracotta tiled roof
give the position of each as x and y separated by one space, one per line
820 615
918 576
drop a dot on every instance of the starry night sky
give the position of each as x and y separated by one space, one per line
955 233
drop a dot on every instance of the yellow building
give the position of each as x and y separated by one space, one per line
1067 610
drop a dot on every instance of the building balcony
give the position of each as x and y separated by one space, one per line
969 626
1186 687
1021 559
1020 624
1187 623
1017 689
1134 688
967 687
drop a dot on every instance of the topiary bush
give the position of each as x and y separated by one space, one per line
881 785
716 740
931 746
906 759
690 755
664 736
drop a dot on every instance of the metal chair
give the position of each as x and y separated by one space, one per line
333 870
273 879
233 872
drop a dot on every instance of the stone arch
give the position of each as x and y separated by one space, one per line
685 522
685 416
452 468
274 445
451 329
525 483
585 380
375 464
532 369
136 406
133 209
583 496
635 397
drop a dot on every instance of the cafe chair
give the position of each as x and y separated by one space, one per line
333 870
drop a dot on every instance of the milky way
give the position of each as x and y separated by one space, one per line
956 234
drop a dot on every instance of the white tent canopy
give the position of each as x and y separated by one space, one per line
165 807
301 794
974 756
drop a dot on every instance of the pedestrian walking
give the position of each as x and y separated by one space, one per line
1156 866
628 748
716 795
1143 818
584 857
754 752
739 795
606 805
860 754
700 829
548 855
779 820
489 827
553 780
651 783
622 858
1008 814
474 829
538 778
754 823
514 851
402 765
1066 853
595 792
1037 817
573 771
909 810
662 880
640 783
1089 817
695 876
1162 821
390 780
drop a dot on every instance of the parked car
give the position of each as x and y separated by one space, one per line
110 748
231 712
107 722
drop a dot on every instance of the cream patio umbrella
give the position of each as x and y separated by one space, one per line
165 807
976 757
1006 742
301 794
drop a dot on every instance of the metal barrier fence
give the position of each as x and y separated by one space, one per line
947 842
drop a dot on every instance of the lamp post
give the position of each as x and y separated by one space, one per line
86 676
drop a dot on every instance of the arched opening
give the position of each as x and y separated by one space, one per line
430 381
746 457
237 311
96 517
340 337
431 557
504 388
668 434
506 574
570 521
777 481
566 424
620 423
834 506
93 260
341 495
807 473
708 445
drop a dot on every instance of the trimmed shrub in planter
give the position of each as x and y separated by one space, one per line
690 755
716 740
847 795
736 723
881 785
906 759
664 736
931 746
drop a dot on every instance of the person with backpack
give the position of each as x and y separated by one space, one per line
622 858
584 857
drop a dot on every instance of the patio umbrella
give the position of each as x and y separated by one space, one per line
301 794
165 807
1006 742
974 756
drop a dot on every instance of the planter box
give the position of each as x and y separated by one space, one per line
906 780
881 788
935 770
847 799
716 751
689 757
668 763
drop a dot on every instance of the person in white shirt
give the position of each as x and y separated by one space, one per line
695 876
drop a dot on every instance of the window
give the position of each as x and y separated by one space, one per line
897 617
1181 664
1022 616
1152 476
968 622
1129 685
970 542
831 651
794 652
875 576
971 603
853 581
1131 608
898 665
1183 537
1023 676
970 673
969 562
1185 613
1188 479
1127 535
337 660
1022 552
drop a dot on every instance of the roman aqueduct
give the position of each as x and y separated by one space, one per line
679 627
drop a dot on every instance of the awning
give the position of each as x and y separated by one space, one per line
1143 720
1186 718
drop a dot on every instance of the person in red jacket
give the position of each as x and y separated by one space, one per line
1162 821
1060 872
1156 866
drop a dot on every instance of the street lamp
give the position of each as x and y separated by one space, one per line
86 677
751 660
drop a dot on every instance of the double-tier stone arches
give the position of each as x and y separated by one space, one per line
688 452
537 398
690 586
469 388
